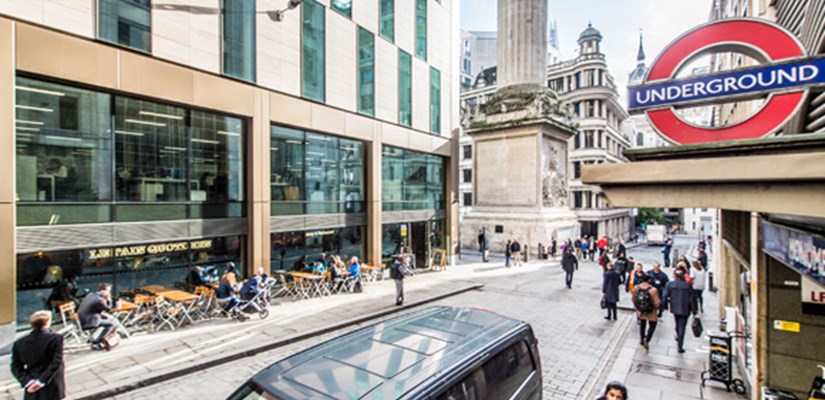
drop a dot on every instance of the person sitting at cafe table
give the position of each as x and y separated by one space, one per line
91 314
300 264
355 272
195 278
65 291
322 259
226 292
230 274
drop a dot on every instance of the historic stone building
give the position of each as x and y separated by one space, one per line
586 85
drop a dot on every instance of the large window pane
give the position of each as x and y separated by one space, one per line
415 192
411 180
343 7
63 144
421 29
435 182
435 101
404 88
287 171
217 158
150 151
387 29
351 155
126 22
366 72
392 169
322 174
238 17
313 47
287 251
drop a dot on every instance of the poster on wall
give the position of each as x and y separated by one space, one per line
802 251
813 297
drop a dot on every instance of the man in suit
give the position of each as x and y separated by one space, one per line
610 291
90 313
681 301
37 360
569 263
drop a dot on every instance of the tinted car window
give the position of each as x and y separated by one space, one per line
498 378
251 391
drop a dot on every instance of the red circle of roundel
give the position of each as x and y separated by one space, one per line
774 42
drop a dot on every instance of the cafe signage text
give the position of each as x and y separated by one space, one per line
148 249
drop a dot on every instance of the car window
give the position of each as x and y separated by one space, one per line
251 391
498 378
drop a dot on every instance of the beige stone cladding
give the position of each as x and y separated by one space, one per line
507 174
188 32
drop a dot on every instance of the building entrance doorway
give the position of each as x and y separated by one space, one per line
418 243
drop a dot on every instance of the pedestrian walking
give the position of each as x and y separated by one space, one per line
679 299
604 261
658 279
397 273
507 253
621 250
581 248
569 263
602 245
647 303
483 244
91 315
703 258
635 276
699 275
621 267
666 252
591 245
553 248
610 291
515 249
37 360
614 391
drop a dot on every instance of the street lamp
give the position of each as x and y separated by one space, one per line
278 15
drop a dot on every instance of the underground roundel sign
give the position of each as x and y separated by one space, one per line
783 76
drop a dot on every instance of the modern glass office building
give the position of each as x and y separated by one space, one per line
143 140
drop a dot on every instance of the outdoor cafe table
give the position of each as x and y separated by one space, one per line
121 315
313 279
186 300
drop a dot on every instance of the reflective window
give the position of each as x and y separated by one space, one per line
63 147
343 6
435 100
404 88
217 158
312 54
421 29
312 173
238 25
293 251
387 28
150 151
366 72
411 180
126 22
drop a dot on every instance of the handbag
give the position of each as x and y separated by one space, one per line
110 341
604 303
696 326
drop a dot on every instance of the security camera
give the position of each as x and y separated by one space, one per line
294 3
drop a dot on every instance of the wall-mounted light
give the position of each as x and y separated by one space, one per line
278 15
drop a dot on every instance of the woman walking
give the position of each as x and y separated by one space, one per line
699 274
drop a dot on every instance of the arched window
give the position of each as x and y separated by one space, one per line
640 139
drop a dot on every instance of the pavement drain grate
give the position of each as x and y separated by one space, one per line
667 372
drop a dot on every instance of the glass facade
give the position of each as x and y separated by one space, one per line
366 72
312 173
387 20
312 51
126 22
238 28
343 6
421 29
435 101
411 180
417 238
86 157
404 88
124 267
291 251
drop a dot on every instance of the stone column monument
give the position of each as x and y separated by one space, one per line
520 141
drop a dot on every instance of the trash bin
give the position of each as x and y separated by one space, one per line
776 394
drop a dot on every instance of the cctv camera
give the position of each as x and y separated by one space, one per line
294 3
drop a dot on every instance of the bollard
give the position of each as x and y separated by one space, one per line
541 253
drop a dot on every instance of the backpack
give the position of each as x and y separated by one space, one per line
395 271
516 247
643 300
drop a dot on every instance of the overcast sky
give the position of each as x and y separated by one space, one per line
619 21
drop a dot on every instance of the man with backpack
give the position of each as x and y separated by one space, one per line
647 302
515 249
397 273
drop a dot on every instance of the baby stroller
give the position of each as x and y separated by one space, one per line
259 303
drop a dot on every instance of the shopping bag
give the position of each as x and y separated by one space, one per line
110 341
697 327
604 303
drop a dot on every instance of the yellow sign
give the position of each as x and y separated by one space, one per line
142 250
403 229
786 326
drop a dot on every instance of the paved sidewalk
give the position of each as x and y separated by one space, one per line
662 373
145 355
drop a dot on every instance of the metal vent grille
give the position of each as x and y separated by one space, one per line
312 222
47 238
286 223
150 232
218 227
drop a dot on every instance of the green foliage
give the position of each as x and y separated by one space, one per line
651 216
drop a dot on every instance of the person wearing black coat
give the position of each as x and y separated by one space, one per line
610 291
37 360
569 263
658 279
681 302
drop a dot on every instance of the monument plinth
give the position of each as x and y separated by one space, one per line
520 141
